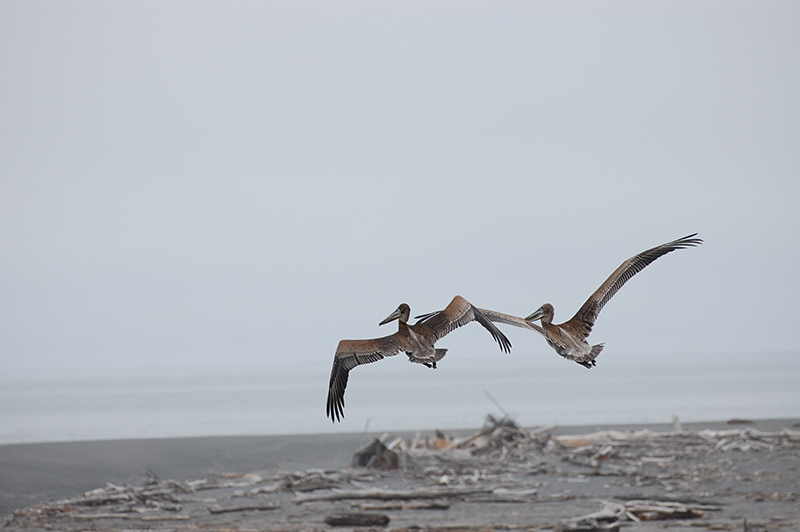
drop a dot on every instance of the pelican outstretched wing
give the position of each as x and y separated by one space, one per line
457 314
587 314
349 354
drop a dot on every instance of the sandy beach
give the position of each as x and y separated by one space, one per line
528 478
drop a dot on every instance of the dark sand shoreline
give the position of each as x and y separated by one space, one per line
38 472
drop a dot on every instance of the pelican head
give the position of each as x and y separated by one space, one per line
544 313
402 313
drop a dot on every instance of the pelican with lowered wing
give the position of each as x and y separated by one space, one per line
417 341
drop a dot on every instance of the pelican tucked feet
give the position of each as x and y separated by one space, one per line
569 338
417 341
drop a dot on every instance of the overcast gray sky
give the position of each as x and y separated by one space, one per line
195 182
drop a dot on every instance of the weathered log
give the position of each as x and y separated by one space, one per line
243 508
505 495
379 494
165 518
408 505
101 516
606 520
357 519
655 510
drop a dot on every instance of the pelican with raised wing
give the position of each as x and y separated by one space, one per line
417 341
569 338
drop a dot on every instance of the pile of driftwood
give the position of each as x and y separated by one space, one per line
502 442
499 442
644 457
492 463
612 514
501 463
170 500
155 497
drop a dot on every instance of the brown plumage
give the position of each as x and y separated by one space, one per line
415 340
569 338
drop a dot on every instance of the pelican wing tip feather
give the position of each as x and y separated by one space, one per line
497 334
334 408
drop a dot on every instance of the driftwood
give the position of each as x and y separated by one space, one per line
164 518
380 494
243 508
608 518
357 519
310 481
502 448
612 514
504 495
656 510
436 504
500 463
122 502
101 516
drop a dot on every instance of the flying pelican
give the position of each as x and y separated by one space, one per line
415 340
569 338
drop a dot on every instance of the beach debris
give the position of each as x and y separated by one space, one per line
311 481
435 504
605 520
164 518
612 514
437 492
147 502
636 458
243 508
501 435
375 455
357 519
641 475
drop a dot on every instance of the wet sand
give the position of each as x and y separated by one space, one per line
34 473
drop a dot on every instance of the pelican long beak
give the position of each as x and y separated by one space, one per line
537 315
391 317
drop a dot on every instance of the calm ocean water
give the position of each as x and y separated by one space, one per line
395 395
